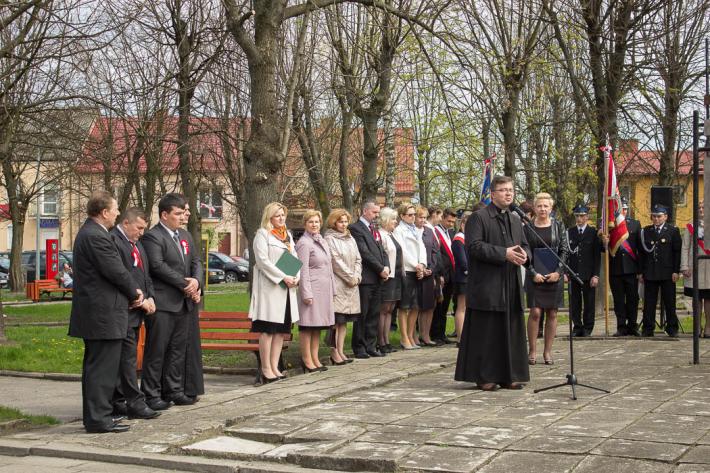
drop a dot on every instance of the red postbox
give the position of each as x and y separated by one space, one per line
52 264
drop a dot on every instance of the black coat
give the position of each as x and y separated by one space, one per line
446 265
622 262
433 252
372 253
663 259
102 286
140 276
585 251
168 269
486 245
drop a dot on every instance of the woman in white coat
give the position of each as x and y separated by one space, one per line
347 267
414 260
392 288
315 303
273 308
686 268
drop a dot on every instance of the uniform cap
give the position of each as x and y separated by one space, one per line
659 209
580 210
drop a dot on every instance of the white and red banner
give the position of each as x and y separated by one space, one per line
613 219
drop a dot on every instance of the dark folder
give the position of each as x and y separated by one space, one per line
544 261
289 264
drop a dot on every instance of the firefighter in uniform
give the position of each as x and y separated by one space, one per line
584 260
660 262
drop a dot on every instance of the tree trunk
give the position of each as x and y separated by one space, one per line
390 160
343 163
370 155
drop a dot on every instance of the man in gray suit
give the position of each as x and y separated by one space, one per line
103 290
176 272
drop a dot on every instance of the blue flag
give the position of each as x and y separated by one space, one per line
487 176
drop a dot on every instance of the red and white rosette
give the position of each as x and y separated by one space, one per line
185 247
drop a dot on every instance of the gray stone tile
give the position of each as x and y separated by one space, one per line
228 447
666 452
406 434
399 394
313 448
325 430
447 416
698 454
663 427
479 436
531 462
445 459
356 456
692 468
269 428
552 444
597 464
591 423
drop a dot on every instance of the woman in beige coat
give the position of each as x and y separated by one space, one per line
273 308
686 268
347 267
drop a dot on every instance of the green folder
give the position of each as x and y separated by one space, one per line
289 264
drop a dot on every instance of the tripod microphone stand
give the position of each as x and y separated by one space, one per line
571 376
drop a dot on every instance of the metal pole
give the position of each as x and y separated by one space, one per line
37 226
694 240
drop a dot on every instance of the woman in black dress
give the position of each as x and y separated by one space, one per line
544 285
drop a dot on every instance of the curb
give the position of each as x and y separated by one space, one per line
35 375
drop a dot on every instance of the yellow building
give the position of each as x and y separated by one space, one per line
638 173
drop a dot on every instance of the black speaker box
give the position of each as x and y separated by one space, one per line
663 195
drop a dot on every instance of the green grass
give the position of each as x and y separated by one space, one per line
8 414
57 312
8 296
41 349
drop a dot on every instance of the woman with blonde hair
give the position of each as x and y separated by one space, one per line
315 304
392 288
273 307
347 268
544 289
414 263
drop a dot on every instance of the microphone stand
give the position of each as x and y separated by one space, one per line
571 376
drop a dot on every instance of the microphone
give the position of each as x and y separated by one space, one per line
514 208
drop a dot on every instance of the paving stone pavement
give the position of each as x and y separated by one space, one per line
405 412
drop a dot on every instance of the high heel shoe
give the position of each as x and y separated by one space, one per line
264 380
306 369
531 360
337 363
548 360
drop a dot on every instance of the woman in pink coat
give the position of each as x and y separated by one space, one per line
316 290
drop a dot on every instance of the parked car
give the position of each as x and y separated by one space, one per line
4 271
233 271
215 276
29 258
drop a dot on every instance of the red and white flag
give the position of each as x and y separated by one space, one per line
613 220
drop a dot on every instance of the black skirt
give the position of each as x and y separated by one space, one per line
341 318
409 299
427 293
263 326
459 288
392 289
704 293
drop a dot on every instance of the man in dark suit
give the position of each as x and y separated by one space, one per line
374 272
443 233
624 271
583 260
176 271
128 398
103 290
492 349
660 264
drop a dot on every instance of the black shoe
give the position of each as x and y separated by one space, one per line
144 413
375 353
647 334
390 348
113 428
158 404
672 333
182 400
116 419
634 333
362 356
587 333
577 333
120 409
619 333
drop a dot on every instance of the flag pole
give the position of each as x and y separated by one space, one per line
605 224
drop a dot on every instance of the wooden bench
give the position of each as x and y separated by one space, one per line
231 331
37 288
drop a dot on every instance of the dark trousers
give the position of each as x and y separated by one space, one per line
625 292
650 297
99 376
194 379
364 336
164 354
438 323
581 295
127 389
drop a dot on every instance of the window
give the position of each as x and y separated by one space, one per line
679 196
50 200
210 203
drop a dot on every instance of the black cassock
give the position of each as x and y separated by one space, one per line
492 347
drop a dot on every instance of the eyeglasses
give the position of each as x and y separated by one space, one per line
507 191
409 215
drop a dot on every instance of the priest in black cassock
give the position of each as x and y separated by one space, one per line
492 350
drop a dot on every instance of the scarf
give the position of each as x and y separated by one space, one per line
282 235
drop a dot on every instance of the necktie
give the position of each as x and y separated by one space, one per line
658 230
581 230
177 241
137 260
375 233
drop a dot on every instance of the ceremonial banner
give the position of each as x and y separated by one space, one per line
614 220
487 177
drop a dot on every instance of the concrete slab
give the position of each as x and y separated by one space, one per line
415 435
478 436
531 462
268 429
325 430
665 427
692 468
596 464
666 452
698 454
445 459
228 447
552 444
